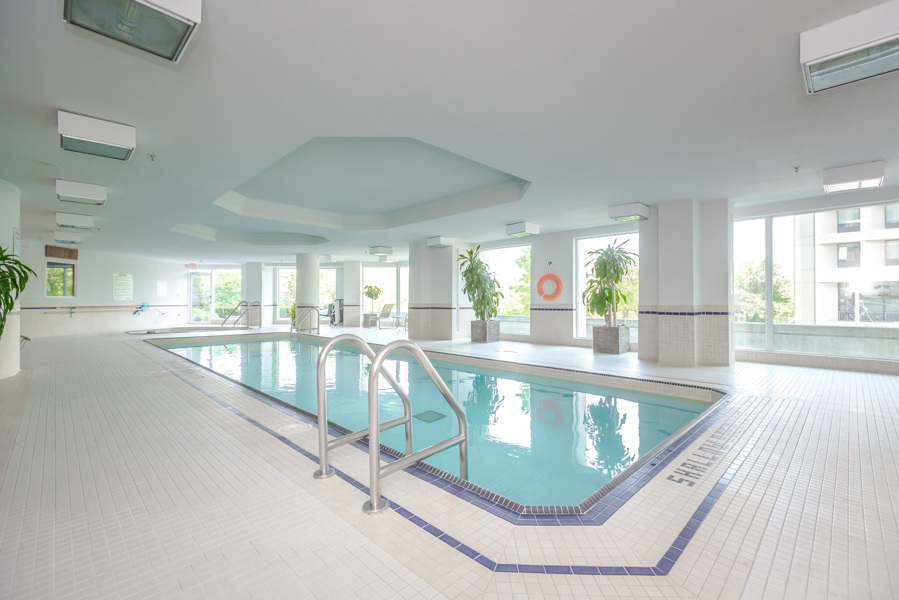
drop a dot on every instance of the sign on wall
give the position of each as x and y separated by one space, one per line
122 286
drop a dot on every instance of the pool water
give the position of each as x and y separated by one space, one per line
533 440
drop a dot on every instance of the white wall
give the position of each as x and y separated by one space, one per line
9 218
95 309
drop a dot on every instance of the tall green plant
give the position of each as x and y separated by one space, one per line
372 292
607 268
480 285
13 277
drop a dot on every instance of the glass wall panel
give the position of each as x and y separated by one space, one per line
385 279
749 284
512 268
286 292
226 291
327 287
630 287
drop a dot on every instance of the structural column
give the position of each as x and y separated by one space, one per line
434 294
251 292
307 282
9 217
352 293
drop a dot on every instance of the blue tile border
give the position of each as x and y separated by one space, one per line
602 510
684 313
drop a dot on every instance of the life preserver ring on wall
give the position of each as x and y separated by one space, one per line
552 407
555 279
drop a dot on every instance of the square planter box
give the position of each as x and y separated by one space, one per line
485 331
611 340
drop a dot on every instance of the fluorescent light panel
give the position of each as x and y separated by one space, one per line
161 27
634 211
440 241
68 237
862 45
80 193
380 250
522 229
74 221
95 136
853 177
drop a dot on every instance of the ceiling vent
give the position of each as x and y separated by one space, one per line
853 177
850 49
80 193
68 237
440 241
634 211
95 136
380 251
161 27
522 229
70 221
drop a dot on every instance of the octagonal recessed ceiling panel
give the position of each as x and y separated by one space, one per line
335 182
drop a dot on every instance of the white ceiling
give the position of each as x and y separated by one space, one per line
593 103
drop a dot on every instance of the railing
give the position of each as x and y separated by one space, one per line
306 313
246 308
375 503
324 470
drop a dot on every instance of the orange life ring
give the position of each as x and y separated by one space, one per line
555 279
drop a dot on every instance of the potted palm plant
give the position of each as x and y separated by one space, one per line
13 277
371 292
482 289
607 267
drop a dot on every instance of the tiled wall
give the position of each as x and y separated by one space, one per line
50 321
552 324
352 315
686 336
431 322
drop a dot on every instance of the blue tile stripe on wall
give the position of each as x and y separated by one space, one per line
601 511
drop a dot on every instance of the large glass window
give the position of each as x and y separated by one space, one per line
327 287
512 268
286 292
214 293
385 279
808 301
630 287
60 279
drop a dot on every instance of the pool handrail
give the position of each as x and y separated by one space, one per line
246 308
306 312
324 469
376 504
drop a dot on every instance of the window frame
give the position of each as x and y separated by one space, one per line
67 266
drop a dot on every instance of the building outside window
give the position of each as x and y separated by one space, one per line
891 216
60 280
820 295
849 220
512 268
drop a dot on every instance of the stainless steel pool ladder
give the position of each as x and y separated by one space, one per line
245 306
375 503
306 313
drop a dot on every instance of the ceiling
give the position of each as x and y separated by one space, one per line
424 116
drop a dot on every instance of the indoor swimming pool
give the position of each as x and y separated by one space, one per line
534 440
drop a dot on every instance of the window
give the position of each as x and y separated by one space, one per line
630 287
891 215
286 292
327 287
849 255
512 269
214 293
60 279
385 279
891 248
849 220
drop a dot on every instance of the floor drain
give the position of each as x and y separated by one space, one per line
294 428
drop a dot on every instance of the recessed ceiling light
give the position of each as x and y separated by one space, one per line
853 48
522 229
853 177
161 27
80 193
74 221
634 211
95 136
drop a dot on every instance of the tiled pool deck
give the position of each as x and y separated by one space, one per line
130 473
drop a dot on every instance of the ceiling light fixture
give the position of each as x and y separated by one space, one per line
95 136
74 221
634 211
380 251
522 229
80 193
161 27
853 48
853 177
68 237
440 241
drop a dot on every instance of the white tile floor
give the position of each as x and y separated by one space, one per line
128 473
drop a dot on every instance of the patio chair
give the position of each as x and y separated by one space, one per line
385 314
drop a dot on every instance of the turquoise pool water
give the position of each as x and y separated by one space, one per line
534 440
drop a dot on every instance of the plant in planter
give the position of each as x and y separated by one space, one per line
607 268
482 289
13 277
372 292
